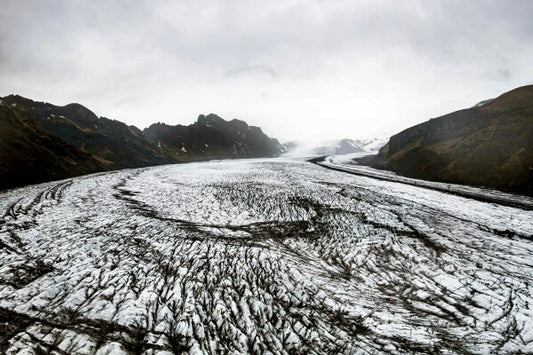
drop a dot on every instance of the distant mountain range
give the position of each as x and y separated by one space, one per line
490 144
333 147
41 142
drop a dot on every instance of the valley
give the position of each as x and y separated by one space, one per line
256 256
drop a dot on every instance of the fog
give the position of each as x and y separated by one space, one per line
298 69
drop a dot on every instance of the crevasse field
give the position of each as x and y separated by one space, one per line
260 256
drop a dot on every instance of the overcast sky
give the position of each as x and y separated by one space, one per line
298 69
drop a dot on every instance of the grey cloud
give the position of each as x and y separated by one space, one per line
343 66
251 71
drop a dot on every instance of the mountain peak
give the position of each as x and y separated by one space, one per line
209 119
17 100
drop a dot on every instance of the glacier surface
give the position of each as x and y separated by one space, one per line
260 256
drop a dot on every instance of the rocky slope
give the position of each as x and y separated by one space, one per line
43 142
490 145
29 155
112 142
212 137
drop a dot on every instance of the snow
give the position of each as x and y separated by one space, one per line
483 103
311 148
374 145
278 255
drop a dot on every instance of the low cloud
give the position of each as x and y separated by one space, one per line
251 71
299 69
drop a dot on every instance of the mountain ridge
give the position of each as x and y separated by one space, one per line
101 144
488 145
214 136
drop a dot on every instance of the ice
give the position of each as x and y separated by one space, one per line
267 256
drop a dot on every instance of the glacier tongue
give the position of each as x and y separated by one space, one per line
260 256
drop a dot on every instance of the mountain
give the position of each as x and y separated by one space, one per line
42 142
343 146
212 137
374 144
30 155
490 144
113 143
330 147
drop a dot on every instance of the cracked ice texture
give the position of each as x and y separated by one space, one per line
260 256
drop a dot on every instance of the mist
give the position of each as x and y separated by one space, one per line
307 70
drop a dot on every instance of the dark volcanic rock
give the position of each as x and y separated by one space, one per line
114 143
487 145
30 155
42 142
212 137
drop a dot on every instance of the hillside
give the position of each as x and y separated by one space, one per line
114 143
30 155
212 137
490 144
43 142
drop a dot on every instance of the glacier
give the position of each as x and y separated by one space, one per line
274 256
